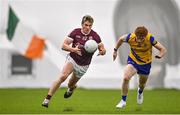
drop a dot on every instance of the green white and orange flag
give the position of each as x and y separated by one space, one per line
24 38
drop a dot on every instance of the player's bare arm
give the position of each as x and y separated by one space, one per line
118 44
162 50
101 48
66 46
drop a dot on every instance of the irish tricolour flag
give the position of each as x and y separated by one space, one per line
23 37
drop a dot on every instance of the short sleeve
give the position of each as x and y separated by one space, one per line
72 34
128 37
97 38
153 41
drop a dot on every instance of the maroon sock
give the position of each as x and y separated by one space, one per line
48 97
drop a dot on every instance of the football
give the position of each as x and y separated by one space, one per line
91 46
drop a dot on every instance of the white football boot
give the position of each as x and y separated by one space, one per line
45 103
121 104
139 97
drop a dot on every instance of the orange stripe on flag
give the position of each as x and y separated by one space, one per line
36 47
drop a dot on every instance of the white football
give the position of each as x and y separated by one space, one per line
91 46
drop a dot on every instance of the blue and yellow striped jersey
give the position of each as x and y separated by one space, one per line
141 53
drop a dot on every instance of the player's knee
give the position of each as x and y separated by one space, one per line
126 78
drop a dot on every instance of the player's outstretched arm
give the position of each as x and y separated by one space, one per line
118 44
162 50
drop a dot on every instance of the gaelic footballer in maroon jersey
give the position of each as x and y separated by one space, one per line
79 38
78 59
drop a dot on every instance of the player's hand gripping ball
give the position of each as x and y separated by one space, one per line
91 46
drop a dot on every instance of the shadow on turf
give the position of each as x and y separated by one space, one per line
138 108
68 109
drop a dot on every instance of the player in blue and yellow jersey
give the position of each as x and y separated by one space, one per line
139 60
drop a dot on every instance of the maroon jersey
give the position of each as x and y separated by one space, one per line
79 39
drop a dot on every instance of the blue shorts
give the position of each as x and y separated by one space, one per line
141 69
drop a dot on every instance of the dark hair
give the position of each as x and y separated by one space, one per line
87 18
141 31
